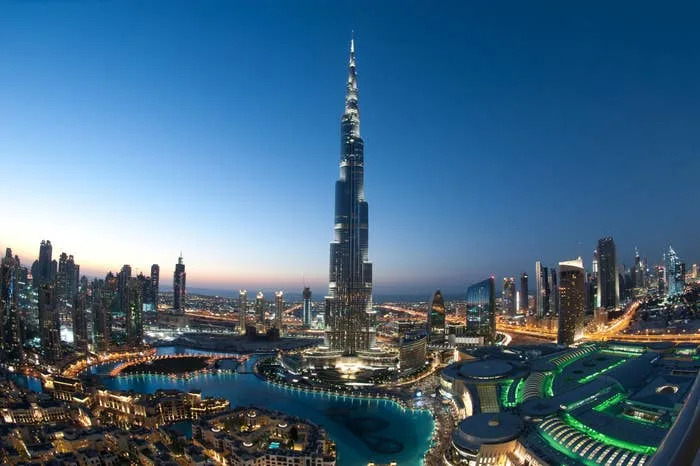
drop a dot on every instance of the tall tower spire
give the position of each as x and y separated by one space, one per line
349 327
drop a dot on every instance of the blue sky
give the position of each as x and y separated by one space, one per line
496 134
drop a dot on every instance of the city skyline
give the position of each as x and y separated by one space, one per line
125 152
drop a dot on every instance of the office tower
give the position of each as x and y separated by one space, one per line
279 309
67 279
100 302
260 307
146 292
350 282
122 304
508 296
179 286
436 318
675 273
134 311
523 293
639 271
608 279
306 306
571 292
242 310
49 324
43 272
481 310
542 290
80 321
661 278
155 282
553 291
11 330
694 272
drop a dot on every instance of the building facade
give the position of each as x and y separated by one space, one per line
481 310
436 318
306 306
508 296
608 277
348 327
571 301
179 286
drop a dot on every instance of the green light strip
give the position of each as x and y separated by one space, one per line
519 391
581 427
548 384
562 449
592 376
505 389
613 400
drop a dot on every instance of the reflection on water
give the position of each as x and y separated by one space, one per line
364 430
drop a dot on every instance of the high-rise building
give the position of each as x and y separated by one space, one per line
524 293
279 309
45 271
348 328
571 301
134 311
80 320
553 291
100 303
306 306
260 307
436 318
179 286
155 283
508 295
675 273
481 310
542 290
608 278
11 329
49 324
242 310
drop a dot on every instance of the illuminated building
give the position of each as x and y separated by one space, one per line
306 306
101 302
49 324
608 278
481 311
11 329
179 286
134 311
524 293
436 318
242 310
80 320
542 290
412 351
252 436
508 295
45 271
155 283
279 310
571 301
675 273
553 291
350 283
260 307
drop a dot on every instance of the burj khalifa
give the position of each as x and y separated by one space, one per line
350 325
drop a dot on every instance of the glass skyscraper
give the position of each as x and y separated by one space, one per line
306 306
571 301
608 278
675 273
436 318
179 286
349 328
481 310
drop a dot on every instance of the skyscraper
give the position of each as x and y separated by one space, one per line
523 293
306 306
101 312
279 309
571 301
542 290
11 328
481 310
350 282
179 287
44 272
242 310
675 273
436 318
134 311
608 278
80 327
553 291
260 307
155 283
49 324
508 295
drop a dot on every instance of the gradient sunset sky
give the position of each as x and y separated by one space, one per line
496 134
